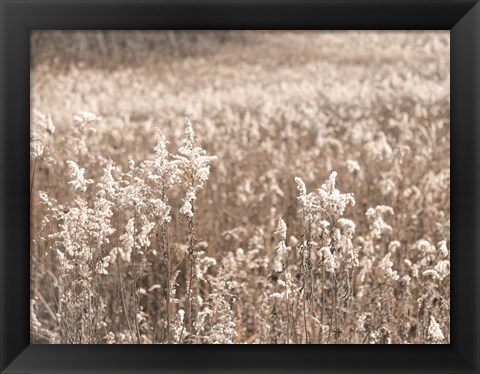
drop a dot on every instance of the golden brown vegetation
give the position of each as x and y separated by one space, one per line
308 201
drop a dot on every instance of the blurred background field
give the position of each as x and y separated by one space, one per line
272 106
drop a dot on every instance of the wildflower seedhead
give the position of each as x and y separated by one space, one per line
78 177
194 167
43 129
434 331
325 203
281 229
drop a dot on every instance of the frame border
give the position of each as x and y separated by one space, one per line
19 17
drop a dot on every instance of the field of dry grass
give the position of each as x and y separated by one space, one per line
240 187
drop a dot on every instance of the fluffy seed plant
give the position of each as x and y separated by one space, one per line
80 249
327 260
162 174
41 160
194 168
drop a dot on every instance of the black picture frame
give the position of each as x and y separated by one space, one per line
19 17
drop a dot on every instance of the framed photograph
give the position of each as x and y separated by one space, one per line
238 186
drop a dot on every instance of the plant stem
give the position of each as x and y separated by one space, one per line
134 274
191 258
33 178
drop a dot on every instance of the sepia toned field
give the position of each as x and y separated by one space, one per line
240 187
